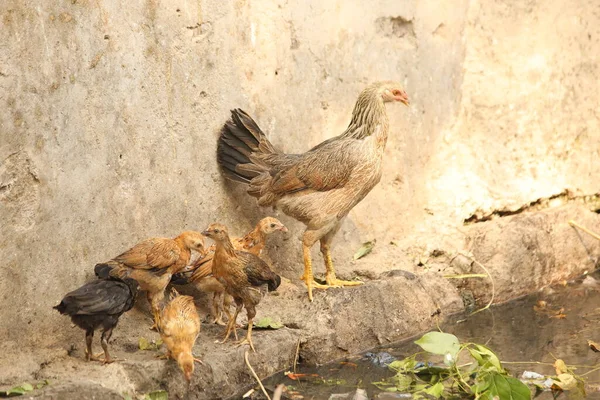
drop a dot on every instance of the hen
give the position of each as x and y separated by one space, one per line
179 327
99 304
201 277
244 276
321 186
152 263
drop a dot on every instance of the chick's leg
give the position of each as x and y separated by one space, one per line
155 300
251 312
231 326
307 241
105 338
217 308
89 336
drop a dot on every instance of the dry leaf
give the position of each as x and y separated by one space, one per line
365 249
566 382
560 367
594 346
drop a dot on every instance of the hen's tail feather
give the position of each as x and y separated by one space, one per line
240 143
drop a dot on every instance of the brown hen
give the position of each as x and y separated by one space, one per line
152 263
321 186
179 327
201 277
244 275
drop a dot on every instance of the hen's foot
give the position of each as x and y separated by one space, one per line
312 284
334 282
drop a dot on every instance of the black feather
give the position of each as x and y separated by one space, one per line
102 271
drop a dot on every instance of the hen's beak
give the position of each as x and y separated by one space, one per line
403 98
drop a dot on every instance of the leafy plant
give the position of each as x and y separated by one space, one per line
267 323
482 378
23 388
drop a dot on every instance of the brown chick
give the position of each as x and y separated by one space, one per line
244 276
321 186
202 278
152 263
179 327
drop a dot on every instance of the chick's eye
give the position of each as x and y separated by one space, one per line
216 231
396 92
272 225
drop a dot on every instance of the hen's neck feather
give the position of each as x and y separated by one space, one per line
369 113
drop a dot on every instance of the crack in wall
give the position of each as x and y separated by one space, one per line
562 198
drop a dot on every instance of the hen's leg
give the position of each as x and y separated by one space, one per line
307 241
330 277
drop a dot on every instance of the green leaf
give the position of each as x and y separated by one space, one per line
267 323
365 249
406 365
507 387
439 343
402 382
436 390
486 358
158 395
22 389
143 343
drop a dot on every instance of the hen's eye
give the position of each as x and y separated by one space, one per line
396 93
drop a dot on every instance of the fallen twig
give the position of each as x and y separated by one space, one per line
297 354
586 230
255 376
465 276
491 279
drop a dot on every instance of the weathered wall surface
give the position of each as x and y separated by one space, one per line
109 113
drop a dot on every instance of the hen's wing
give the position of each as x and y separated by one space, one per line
314 169
97 297
152 254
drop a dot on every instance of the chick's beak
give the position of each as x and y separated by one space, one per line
205 233
283 229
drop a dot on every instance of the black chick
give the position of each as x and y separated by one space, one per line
99 304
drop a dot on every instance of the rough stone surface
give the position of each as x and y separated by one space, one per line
109 113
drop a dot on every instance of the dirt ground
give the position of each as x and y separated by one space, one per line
405 292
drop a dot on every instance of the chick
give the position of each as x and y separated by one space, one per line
99 304
244 276
152 263
200 274
179 327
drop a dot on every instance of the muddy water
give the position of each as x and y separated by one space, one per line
554 323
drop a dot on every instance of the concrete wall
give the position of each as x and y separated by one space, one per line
109 113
